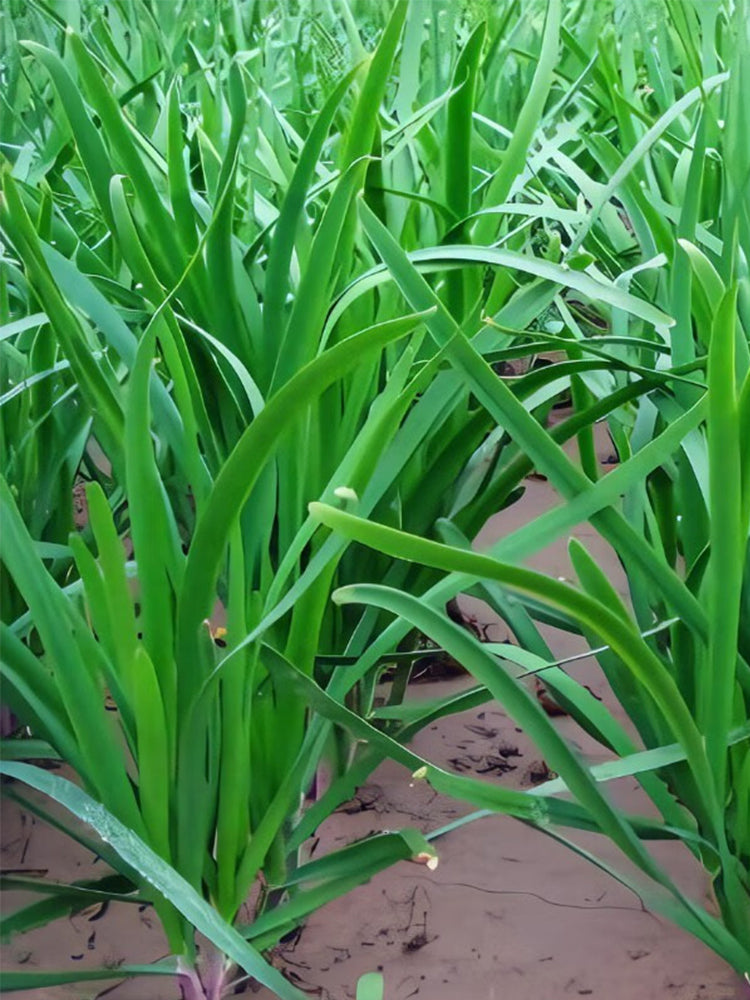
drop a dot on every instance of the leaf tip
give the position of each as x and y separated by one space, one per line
346 493
428 859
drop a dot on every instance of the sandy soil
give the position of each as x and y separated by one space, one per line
508 915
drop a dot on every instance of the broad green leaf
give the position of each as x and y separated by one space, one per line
641 661
235 482
20 980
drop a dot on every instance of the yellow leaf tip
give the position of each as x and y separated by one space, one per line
426 858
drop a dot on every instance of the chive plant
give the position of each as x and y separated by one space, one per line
279 255
677 510
200 459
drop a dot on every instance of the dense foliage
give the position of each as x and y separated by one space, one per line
257 255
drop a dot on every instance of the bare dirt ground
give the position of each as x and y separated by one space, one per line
508 915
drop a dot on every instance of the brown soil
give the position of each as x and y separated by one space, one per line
508 915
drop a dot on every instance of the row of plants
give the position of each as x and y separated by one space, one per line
272 281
